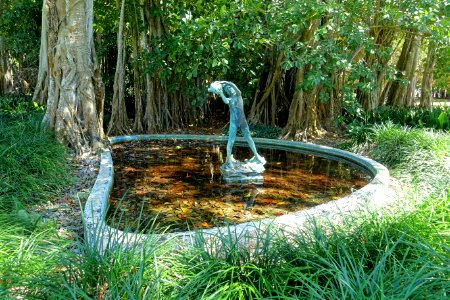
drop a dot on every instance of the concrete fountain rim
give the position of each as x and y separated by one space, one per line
372 196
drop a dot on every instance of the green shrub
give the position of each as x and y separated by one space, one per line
359 126
13 106
413 155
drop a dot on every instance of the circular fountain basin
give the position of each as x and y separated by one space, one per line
371 196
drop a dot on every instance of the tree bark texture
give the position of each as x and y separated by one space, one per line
383 36
75 92
138 108
150 117
401 91
41 91
118 123
303 121
426 95
262 111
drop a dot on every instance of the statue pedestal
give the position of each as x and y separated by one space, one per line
243 172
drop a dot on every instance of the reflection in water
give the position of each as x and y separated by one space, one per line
179 184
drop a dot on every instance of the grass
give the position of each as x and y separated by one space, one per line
30 260
32 164
370 256
417 157
33 169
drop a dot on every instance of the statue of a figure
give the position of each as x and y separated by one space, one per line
237 121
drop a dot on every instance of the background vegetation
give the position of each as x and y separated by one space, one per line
300 65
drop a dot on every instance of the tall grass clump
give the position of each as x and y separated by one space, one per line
383 257
129 270
233 265
32 164
394 257
32 169
402 256
419 157
30 260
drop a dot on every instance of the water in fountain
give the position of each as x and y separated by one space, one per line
179 183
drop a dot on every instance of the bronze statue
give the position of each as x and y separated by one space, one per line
237 120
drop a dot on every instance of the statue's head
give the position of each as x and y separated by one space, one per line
228 88
215 87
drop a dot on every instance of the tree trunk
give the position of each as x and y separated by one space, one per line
119 119
150 118
75 90
426 96
159 110
41 91
371 98
400 91
383 33
138 109
411 71
303 121
6 73
260 106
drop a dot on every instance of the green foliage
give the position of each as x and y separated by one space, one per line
30 261
441 79
268 132
412 155
261 131
360 125
22 38
32 163
13 106
209 41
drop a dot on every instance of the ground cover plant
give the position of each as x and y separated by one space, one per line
33 169
384 256
33 165
360 123
419 157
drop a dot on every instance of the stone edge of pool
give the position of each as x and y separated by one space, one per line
372 196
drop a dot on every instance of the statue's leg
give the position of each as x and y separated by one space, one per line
246 132
231 137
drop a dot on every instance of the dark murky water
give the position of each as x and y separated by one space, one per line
178 184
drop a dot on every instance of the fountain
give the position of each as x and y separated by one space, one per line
249 176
